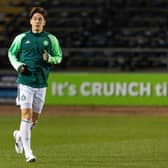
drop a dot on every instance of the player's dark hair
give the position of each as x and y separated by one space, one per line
40 10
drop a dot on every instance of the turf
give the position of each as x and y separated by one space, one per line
90 142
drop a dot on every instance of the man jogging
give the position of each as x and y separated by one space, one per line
31 54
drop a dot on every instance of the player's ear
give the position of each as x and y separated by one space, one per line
30 22
44 23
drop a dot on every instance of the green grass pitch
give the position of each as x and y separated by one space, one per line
90 142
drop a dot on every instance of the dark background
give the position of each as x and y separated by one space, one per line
96 35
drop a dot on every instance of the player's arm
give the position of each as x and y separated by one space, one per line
13 52
56 53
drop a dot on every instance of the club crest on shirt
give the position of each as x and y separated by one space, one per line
27 42
45 42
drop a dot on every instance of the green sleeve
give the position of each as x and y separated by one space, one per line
56 52
14 50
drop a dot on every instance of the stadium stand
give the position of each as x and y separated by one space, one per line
100 35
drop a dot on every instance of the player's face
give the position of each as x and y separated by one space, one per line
37 22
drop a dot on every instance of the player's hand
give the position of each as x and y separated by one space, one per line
45 55
22 68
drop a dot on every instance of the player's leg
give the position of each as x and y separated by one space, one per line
26 99
25 133
37 106
38 103
16 133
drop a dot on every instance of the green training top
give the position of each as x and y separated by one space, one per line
27 49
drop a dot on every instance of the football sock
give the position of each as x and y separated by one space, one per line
25 134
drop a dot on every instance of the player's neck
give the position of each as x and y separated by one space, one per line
37 31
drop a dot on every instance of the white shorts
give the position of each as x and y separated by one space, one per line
32 98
